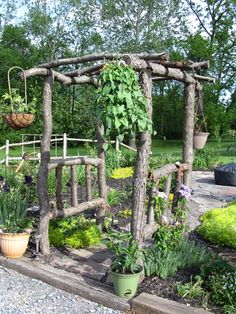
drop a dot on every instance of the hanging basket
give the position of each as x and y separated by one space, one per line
18 120
199 139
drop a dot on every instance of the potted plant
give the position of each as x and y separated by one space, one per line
17 112
199 136
15 226
124 268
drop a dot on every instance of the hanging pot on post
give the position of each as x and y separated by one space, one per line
199 139
18 118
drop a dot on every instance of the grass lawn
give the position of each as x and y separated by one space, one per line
226 148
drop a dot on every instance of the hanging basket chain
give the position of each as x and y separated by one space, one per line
9 86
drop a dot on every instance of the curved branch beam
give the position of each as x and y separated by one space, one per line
87 70
185 65
158 69
65 80
102 56
163 71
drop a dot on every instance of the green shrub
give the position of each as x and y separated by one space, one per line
165 263
205 158
127 158
220 279
75 232
191 290
219 226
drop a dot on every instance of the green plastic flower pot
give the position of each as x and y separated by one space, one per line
125 285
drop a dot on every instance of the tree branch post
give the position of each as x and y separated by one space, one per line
141 166
102 186
43 169
188 154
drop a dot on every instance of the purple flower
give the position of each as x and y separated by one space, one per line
6 188
185 191
28 180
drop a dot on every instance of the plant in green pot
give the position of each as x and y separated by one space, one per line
15 226
124 268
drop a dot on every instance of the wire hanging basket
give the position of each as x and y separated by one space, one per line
18 120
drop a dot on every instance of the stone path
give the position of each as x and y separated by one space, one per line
207 195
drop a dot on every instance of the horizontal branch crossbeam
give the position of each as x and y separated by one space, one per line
102 56
72 211
74 161
166 170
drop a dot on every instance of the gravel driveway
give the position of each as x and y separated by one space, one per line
22 295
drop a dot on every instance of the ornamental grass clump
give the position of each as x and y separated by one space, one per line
219 226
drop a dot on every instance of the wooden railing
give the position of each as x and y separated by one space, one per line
56 139
164 171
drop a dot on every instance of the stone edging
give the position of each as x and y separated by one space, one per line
95 291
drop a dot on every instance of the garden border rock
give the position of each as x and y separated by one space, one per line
95 291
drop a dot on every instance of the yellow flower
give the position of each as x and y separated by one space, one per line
171 197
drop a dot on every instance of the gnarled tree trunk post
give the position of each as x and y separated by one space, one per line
43 169
102 186
188 154
141 166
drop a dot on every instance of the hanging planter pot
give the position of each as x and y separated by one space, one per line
18 121
199 139
21 113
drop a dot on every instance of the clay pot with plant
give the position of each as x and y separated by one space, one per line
15 225
200 134
124 268
17 112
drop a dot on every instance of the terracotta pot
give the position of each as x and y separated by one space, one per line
14 245
18 120
199 139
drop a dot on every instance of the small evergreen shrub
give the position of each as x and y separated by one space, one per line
219 226
74 232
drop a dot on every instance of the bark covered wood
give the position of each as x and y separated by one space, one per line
166 170
74 186
72 211
102 56
88 182
75 161
102 186
59 187
43 169
141 166
188 127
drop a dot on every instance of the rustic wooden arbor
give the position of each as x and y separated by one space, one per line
150 67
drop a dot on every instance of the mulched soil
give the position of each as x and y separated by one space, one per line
154 285
165 288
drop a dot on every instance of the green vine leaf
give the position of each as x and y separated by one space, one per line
121 104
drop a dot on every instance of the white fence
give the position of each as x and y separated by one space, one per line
56 139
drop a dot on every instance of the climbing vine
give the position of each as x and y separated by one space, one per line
121 105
